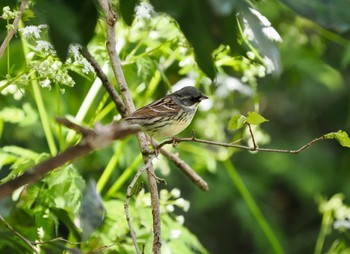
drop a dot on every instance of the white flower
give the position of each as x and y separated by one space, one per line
45 47
338 224
251 55
270 66
8 14
183 203
45 83
175 233
180 219
29 31
170 208
175 193
144 10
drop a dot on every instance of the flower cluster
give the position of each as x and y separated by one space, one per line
43 59
7 14
339 212
168 200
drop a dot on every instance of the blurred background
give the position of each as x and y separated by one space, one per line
288 60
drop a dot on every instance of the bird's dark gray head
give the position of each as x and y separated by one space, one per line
189 96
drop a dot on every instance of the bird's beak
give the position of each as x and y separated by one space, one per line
203 97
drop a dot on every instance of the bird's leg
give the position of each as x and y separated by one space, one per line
174 139
154 145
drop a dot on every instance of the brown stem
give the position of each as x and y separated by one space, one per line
105 82
92 140
111 19
209 142
13 31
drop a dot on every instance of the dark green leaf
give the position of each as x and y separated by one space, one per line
330 14
127 10
69 22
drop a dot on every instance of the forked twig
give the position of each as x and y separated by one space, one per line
13 31
234 145
129 194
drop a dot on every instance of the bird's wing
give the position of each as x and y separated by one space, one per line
162 107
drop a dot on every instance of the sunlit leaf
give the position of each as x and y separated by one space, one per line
237 122
255 118
341 136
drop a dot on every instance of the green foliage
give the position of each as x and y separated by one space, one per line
255 118
266 198
341 136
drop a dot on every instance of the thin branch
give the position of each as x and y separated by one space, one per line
93 139
186 169
28 242
209 142
13 31
252 136
111 19
129 194
105 82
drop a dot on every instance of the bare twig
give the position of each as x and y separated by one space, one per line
252 136
209 142
28 242
93 139
105 82
111 19
13 31
126 205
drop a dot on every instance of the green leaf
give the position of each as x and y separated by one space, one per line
127 12
341 136
237 122
255 118
330 14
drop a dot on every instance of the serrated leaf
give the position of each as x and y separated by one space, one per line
341 136
255 118
236 122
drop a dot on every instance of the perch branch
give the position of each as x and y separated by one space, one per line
129 194
176 140
13 31
111 19
105 82
93 139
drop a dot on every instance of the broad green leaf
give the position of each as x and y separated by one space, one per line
237 122
255 118
330 14
341 136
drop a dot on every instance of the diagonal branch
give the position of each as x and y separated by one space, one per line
105 82
93 139
13 31
111 19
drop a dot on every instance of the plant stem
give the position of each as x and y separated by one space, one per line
45 121
253 207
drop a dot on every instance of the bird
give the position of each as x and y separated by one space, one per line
170 115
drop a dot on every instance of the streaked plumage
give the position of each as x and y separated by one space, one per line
169 115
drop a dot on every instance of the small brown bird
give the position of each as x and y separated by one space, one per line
169 115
